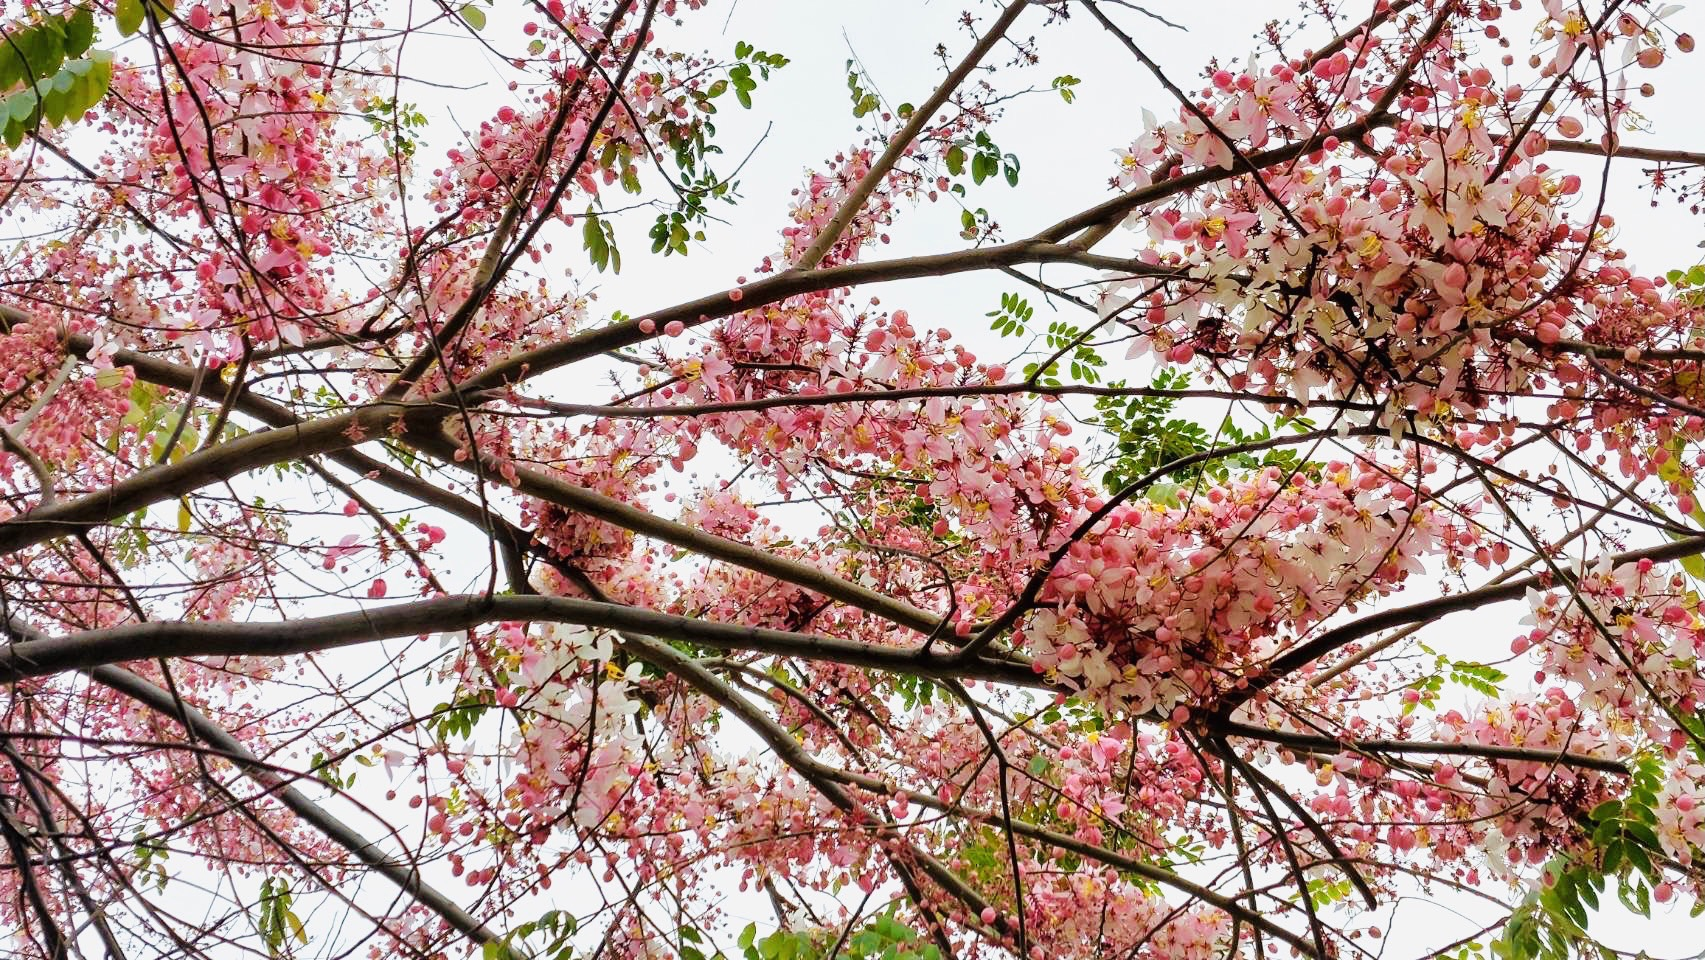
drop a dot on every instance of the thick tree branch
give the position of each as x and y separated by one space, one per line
45 656
554 489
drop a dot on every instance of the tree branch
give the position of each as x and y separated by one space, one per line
902 141
44 656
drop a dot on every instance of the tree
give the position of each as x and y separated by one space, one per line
353 594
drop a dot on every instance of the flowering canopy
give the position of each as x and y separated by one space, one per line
343 568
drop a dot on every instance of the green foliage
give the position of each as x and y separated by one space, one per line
327 767
669 235
1081 358
1552 923
971 222
131 14
1623 830
1478 677
740 75
1147 437
278 923
915 690
458 718
985 158
600 238
882 937
473 16
1694 724
392 118
1064 84
131 546
690 943
983 849
555 931
1690 283
921 513
150 858
1081 717
1146 434
864 101
889 939
690 143
1013 317
1325 891
49 74
1671 471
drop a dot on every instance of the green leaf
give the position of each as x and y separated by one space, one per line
11 67
982 167
43 48
54 105
296 928
129 15
20 105
474 16
956 160
1694 564
596 234
79 32
99 79
1638 858
1643 833
1612 856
